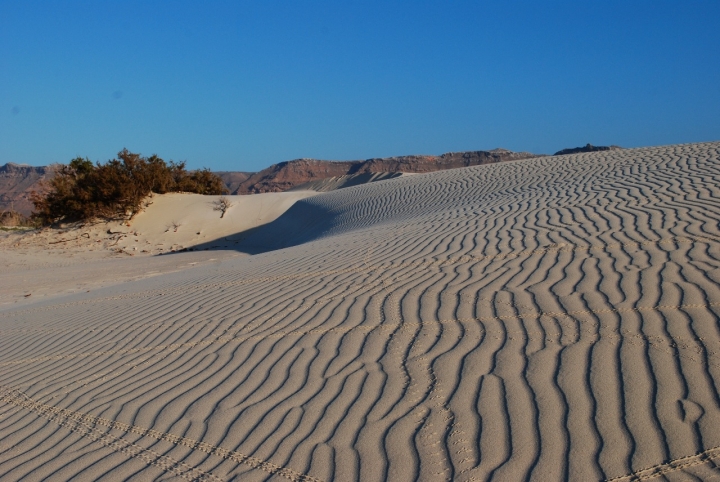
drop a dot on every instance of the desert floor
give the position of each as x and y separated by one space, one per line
546 319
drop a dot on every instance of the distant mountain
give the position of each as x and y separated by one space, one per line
16 183
233 179
586 148
340 182
290 174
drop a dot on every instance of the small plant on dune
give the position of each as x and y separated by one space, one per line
174 225
222 204
83 191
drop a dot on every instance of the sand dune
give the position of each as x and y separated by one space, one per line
545 319
80 258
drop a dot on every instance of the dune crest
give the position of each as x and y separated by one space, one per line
552 318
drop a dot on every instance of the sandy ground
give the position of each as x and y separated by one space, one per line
51 262
545 319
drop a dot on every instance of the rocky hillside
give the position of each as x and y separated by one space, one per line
233 179
17 182
339 182
290 174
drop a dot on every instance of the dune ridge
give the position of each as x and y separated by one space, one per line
545 319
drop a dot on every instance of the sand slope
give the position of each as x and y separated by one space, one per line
186 220
545 319
84 257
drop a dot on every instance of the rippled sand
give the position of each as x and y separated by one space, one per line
546 319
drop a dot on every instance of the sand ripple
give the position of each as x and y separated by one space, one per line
545 319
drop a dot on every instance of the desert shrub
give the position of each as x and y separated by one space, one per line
222 204
13 219
203 181
82 190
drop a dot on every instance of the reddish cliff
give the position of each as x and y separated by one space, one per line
17 182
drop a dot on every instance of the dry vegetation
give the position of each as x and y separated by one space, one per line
82 190
10 219
222 205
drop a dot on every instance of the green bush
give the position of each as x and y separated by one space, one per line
82 190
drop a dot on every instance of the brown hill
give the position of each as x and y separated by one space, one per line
16 183
339 182
233 179
290 174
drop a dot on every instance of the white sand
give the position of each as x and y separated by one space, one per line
184 220
545 319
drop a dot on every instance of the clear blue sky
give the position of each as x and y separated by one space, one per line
240 85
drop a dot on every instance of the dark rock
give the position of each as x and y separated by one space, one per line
586 148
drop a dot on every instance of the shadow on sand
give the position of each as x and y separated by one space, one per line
305 221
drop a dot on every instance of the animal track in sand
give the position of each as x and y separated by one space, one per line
704 457
83 424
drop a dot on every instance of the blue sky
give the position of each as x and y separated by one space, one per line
241 85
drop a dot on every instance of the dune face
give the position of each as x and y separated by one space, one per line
80 257
545 319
